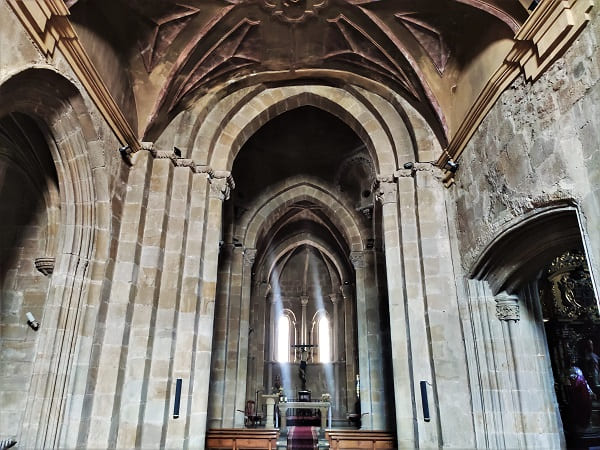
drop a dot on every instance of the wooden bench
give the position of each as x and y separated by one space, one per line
359 439
241 438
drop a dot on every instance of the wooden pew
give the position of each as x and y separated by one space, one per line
241 438
359 439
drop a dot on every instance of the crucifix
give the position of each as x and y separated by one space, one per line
303 362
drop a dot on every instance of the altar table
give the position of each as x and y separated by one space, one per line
324 407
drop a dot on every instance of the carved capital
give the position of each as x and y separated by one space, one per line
335 298
507 307
220 187
386 189
249 257
304 300
358 259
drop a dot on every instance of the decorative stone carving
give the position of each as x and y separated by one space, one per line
386 189
335 298
571 288
249 257
358 259
507 307
45 264
294 11
304 300
221 184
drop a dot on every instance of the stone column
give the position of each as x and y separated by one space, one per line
118 310
249 255
190 308
196 427
364 363
387 194
351 370
234 337
335 328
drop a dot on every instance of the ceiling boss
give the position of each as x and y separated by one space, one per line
294 11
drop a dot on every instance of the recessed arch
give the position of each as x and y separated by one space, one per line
276 200
269 103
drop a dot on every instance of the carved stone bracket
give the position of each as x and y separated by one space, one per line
45 264
507 307
249 257
386 189
335 298
358 260
221 184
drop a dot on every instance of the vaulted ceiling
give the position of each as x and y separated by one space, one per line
158 57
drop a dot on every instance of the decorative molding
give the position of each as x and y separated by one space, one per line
48 24
543 38
45 264
507 307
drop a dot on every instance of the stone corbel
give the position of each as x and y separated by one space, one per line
45 265
386 189
221 184
249 257
507 306
357 259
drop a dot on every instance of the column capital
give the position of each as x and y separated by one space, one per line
221 184
334 297
357 258
507 306
304 300
249 257
386 189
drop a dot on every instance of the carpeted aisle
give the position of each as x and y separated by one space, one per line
302 438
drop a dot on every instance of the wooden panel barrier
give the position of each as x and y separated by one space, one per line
241 438
360 439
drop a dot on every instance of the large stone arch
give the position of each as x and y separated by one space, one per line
82 249
267 104
276 199
513 258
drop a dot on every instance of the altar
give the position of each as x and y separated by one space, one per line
324 407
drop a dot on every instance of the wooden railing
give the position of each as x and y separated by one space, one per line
241 438
360 439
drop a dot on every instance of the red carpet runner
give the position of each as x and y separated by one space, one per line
302 438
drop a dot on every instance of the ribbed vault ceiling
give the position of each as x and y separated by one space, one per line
170 52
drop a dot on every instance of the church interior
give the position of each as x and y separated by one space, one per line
298 224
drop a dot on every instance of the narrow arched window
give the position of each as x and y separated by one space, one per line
283 339
324 340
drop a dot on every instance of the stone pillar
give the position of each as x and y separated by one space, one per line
196 427
190 308
387 194
234 342
349 346
118 310
335 328
370 361
249 255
